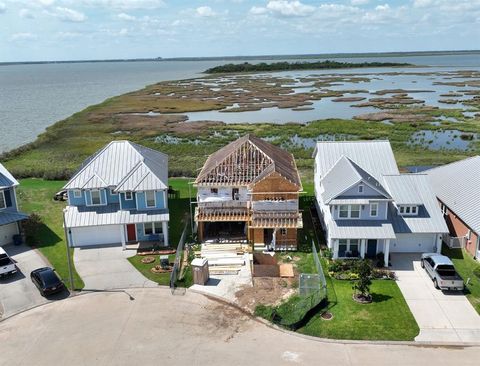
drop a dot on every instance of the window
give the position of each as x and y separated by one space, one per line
235 194
348 248
349 211
355 211
112 192
374 209
353 247
96 200
3 203
77 193
343 211
214 190
283 232
150 198
408 210
128 196
360 188
157 228
148 228
342 247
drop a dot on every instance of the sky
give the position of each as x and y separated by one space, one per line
43 30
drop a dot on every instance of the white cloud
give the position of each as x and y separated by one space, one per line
25 13
422 3
205 11
359 2
3 8
23 37
258 10
68 15
68 35
121 4
124 16
289 8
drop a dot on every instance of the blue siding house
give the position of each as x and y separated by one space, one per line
368 208
119 196
10 217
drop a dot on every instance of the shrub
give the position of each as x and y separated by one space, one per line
362 285
380 260
327 253
32 226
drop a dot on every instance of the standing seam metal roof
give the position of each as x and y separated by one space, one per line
6 179
457 185
111 165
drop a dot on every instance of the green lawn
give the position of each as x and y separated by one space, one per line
387 318
145 269
465 265
35 195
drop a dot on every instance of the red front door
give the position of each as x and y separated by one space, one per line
131 232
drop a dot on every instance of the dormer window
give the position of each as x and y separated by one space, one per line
95 194
360 188
3 202
128 196
77 193
408 210
150 198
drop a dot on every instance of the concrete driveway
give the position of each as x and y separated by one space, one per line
150 326
17 292
107 267
441 316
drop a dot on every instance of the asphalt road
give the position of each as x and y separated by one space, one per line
150 326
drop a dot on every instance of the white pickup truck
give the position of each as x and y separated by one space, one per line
7 265
442 272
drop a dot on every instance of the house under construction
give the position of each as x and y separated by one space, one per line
248 191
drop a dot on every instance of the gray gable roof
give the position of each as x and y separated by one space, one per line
124 165
345 174
457 185
408 187
6 179
375 157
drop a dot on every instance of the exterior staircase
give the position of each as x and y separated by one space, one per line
224 259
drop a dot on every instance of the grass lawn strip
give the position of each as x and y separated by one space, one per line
36 195
465 266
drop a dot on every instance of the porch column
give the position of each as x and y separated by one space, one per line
165 232
362 248
439 243
335 249
122 236
386 252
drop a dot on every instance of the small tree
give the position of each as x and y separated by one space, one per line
362 285
32 226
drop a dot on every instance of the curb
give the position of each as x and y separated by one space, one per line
419 344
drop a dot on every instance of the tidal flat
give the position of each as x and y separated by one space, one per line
189 119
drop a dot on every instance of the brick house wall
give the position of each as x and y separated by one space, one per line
459 229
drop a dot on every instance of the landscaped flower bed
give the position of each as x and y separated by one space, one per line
347 269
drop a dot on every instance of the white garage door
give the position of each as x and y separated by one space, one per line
413 243
96 235
7 232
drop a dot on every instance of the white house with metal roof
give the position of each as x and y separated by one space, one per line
10 217
119 195
367 207
457 186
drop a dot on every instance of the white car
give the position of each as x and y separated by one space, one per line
7 265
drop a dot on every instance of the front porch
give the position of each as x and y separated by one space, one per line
142 235
360 248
